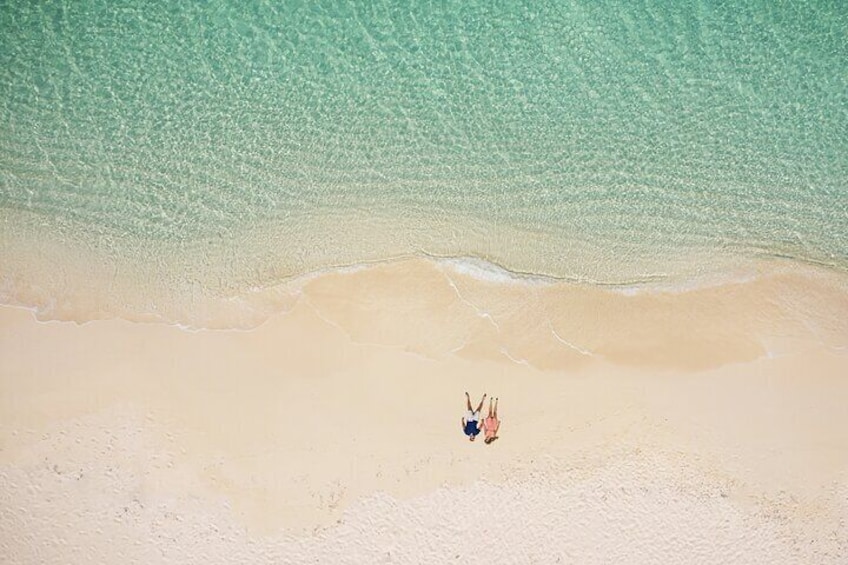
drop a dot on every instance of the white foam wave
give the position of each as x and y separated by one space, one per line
487 271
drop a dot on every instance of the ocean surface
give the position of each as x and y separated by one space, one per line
216 148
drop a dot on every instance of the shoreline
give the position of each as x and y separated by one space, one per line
194 308
64 275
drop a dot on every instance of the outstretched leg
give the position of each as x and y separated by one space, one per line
480 406
468 401
496 408
490 408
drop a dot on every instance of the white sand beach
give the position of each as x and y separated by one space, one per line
687 426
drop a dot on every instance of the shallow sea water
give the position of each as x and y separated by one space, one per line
218 148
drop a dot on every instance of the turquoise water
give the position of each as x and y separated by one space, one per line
570 138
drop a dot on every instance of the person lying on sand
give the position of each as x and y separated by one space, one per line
491 423
471 420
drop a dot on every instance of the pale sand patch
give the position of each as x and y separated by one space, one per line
699 426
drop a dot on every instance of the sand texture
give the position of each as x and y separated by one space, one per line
703 425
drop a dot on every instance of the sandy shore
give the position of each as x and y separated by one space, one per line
698 426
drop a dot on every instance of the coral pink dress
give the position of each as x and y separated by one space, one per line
490 426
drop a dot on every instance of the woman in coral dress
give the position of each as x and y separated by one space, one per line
491 424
